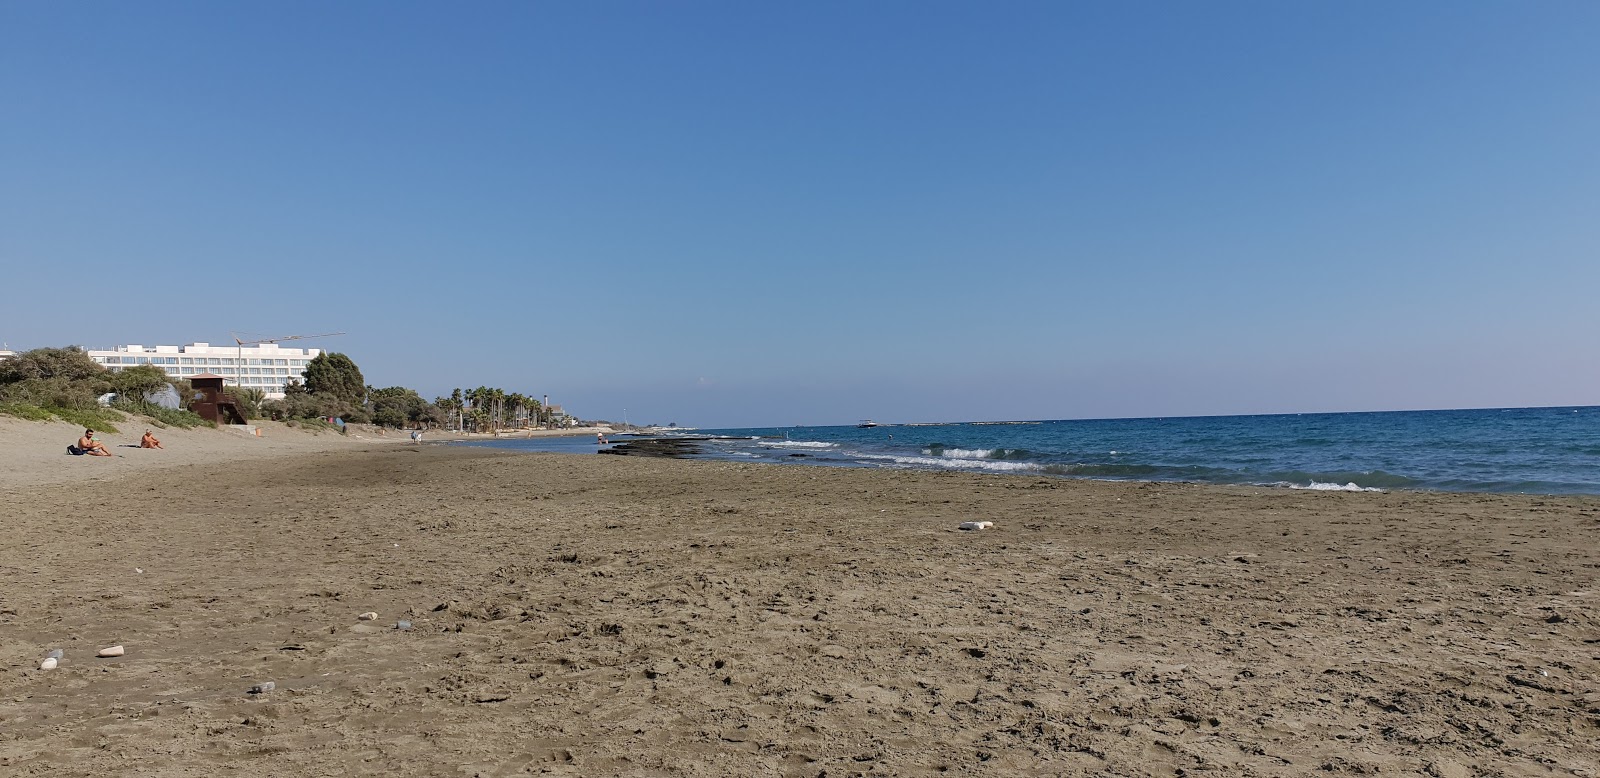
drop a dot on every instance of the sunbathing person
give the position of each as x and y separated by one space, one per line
149 441
90 445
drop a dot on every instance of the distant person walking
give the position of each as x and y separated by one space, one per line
416 437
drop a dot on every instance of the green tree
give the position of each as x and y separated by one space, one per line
448 407
250 400
70 363
134 383
59 377
480 400
396 406
428 415
335 375
307 406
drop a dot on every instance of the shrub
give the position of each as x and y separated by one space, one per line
306 406
93 418
162 417
54 392
29 412
69 364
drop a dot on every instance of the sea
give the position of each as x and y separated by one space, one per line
1510 450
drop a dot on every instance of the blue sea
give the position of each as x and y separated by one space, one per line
1521 450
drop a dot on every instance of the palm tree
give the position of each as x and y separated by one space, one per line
517 403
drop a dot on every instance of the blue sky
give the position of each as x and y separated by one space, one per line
728 214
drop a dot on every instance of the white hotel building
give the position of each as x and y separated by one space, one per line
267 366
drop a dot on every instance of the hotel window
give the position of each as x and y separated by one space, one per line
185 361
280 361
213 361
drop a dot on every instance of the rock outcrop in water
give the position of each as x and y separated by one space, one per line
670 448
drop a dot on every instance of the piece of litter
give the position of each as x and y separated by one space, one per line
139 570
976 525
263 688
402 625
112 651
368 616
55 653
48 664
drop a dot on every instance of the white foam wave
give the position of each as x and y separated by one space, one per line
799 444
1326 487
966 464
964 453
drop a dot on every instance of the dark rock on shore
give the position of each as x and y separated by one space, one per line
671 448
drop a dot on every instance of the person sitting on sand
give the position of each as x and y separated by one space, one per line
149 441
88 444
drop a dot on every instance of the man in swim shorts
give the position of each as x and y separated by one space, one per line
90 445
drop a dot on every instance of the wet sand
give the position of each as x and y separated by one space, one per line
602 615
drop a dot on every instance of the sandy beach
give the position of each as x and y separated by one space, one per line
593 615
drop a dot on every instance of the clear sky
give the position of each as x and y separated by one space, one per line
737 213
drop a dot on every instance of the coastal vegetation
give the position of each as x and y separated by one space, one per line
64 383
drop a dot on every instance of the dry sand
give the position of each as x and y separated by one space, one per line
34 452
587 615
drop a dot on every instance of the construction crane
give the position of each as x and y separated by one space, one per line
238 362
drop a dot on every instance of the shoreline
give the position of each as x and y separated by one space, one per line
623 616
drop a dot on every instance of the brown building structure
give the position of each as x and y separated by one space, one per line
212 403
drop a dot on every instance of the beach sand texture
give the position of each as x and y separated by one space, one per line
588 615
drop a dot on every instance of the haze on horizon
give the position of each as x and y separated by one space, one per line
726 214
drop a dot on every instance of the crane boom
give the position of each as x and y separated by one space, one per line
238 379
285 337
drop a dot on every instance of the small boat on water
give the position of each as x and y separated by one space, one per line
865 423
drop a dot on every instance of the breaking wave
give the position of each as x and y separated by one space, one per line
938 450
953 463
1319 486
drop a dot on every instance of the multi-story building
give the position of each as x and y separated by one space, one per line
266 366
